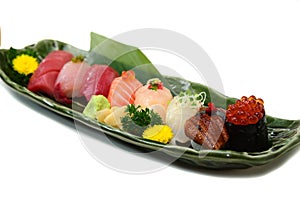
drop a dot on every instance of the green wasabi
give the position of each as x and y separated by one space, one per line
96 103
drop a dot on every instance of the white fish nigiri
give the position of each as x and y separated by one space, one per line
70 80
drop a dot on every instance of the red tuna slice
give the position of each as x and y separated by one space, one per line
44 84
59 54
48 65
98 80
69 81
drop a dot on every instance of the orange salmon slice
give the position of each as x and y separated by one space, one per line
122 89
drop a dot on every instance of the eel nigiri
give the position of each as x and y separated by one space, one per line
122 89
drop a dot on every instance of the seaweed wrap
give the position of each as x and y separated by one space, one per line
246 125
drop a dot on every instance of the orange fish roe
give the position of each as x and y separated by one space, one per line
247 110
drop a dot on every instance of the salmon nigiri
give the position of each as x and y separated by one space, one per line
122 89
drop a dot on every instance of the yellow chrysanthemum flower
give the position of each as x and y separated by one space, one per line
25 64
159 133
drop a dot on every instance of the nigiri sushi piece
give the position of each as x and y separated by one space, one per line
98 79
206 128
43 79
155 95
70 80
122 89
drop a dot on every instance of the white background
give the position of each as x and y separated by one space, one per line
255 46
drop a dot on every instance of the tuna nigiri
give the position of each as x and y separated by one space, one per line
70 80
43 79
98 79
122 89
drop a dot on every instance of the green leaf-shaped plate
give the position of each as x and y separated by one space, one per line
284 134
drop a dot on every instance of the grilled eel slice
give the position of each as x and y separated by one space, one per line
207 130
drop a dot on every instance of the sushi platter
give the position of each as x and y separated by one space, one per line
127 98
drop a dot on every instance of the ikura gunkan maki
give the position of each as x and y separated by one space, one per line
246 125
